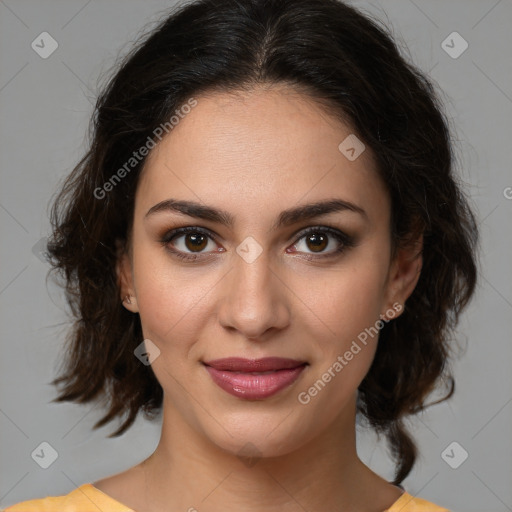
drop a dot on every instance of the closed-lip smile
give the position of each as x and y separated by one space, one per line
254 379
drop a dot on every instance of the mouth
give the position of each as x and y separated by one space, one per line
254 379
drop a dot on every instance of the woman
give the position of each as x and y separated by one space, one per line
265 239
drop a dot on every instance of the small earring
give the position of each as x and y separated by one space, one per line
127 299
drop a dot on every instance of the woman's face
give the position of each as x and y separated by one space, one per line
261 286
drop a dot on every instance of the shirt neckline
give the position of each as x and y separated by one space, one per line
106 497
399 504
404 498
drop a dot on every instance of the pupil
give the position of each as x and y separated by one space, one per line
317 240
197 241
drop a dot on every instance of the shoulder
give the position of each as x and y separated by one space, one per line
409 503
85 498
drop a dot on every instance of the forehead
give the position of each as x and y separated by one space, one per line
261 150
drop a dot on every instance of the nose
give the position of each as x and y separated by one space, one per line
255 300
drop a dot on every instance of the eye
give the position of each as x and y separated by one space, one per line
194 239
318 239
191 243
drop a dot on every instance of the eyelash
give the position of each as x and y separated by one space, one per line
345 241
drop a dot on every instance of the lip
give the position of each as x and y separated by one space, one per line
243 378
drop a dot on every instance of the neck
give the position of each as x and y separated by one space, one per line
189 472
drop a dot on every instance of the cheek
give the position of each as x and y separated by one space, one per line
348 301
170 298
351 300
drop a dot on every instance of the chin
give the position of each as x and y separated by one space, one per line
261 435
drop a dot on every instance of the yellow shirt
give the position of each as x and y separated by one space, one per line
88 498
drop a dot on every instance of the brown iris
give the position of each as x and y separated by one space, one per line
197 241
318 241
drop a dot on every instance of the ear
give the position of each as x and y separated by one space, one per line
404 273
125 278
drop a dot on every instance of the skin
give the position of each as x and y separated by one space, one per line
254 155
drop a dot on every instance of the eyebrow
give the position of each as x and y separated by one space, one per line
286 217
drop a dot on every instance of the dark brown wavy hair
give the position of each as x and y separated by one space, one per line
350 64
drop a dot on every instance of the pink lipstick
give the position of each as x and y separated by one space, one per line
254 379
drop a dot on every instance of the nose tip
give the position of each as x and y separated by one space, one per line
254 300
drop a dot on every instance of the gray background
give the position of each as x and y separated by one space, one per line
46 104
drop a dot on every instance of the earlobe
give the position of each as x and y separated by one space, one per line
130 303
125 279
392 312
